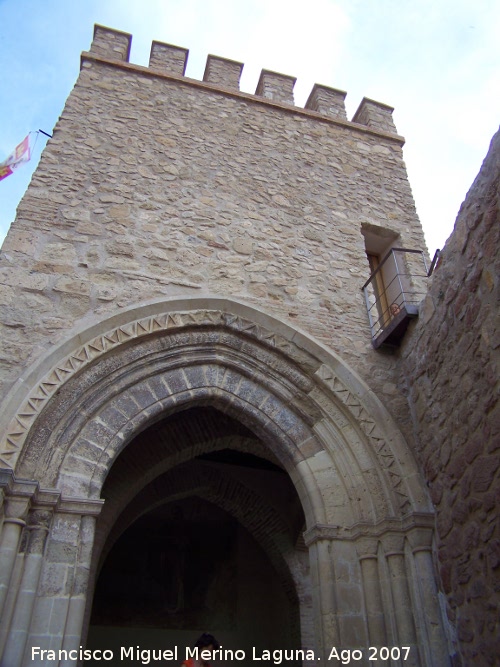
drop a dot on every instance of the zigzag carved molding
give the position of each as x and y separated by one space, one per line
371 430
20 425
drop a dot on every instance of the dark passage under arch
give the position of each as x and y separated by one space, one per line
196 541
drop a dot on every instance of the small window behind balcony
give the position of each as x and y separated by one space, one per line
378 293
393 293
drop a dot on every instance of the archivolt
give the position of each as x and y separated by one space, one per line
339 445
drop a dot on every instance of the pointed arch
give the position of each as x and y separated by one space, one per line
339 444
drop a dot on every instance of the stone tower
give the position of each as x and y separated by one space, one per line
188 369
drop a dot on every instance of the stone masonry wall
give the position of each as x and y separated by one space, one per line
451 367
155 185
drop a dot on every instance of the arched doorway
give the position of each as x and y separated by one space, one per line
214 542
368 518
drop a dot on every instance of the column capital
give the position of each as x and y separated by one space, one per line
393 544
321 531
39 519
367 547
420 539
16 509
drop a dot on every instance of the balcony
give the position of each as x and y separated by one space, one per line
393 293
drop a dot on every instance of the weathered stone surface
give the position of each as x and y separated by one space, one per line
375 115
170 186
168 58
328 101
451 363
223 72
230 196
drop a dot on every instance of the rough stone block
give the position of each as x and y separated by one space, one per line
223 72
111 44
276 87
375 115
168 58
328 101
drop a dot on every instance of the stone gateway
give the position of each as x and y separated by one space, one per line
196 429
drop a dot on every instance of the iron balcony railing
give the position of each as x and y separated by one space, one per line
393 293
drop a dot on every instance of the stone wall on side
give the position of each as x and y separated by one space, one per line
451 369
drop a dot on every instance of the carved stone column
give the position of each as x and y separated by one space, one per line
77 602
324 603
16 509
367 549
434 646
337 590
2 497
60 602
38 528
393 545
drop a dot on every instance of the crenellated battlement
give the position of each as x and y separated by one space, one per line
170 60
181 299
158 185
223 72
111 44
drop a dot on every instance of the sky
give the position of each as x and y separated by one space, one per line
437 62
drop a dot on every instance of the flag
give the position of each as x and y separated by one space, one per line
19 156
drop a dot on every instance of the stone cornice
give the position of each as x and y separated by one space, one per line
364 529
29 490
